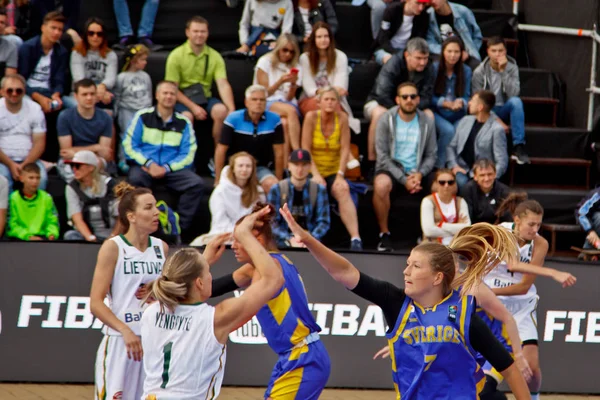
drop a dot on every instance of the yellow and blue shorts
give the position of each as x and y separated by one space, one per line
301 373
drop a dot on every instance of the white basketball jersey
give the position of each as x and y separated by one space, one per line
501 277
133 269
182 357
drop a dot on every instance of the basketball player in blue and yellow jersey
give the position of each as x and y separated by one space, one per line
303 367
434 330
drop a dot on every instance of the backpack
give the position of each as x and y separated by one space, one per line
103 202
169 223
313 191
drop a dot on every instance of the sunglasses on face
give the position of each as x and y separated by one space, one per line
409 96
76 166
288 51
95 33
449 183
17 91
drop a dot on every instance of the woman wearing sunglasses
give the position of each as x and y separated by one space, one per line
93 59
279 72
443 213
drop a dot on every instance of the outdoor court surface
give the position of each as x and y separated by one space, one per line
86 392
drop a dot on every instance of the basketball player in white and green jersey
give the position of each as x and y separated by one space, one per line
126 263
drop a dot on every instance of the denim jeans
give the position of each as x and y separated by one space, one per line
512 112
146 26
5 172
68 101
445 125
462 180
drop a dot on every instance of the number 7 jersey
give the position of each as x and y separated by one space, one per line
182 358
431 353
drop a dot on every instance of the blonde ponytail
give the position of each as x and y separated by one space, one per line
178 275
482 247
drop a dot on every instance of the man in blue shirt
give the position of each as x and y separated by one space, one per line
256 131
406 153
84 128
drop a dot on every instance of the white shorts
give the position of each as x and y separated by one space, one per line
116 376
368 109
524 312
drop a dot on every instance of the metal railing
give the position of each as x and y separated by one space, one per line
593 34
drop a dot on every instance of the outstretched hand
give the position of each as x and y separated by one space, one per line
564 278
251 222
299 233
215 248
383 353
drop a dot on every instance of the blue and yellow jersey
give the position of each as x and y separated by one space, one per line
431 354
286 319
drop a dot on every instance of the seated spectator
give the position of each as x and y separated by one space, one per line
32 214
160 146
85 127
256 131
451 94
485 193
8 49
406 154
145 27
323 65
410 66
195 66
326 135
401 21
133 92
3 203
309 12
443 214
499 73
91 203
43 62
306 199
69 8
378 8
477 136
234 197
261 24
280 73
588 216
15 26
448 19
23 136
92 59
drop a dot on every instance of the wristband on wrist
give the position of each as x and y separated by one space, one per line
340 173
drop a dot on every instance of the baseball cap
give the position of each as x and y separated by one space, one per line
84 157
424 1
300 155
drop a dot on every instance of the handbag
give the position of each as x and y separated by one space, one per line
195 92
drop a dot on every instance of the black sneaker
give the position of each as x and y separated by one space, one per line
146 41
385 242
520 155
356 245
124 42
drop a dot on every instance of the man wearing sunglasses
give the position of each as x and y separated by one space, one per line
478 136
22 131
406 154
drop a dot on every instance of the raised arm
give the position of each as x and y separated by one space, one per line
337 266
564 278
234 312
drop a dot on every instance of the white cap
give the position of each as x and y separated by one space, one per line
84 157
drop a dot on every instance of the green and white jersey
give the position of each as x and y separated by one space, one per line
183 359
134 268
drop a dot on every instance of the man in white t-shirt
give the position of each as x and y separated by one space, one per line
22 131
3 203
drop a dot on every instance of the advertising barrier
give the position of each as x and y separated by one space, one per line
47 333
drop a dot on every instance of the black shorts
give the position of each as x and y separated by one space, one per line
398 189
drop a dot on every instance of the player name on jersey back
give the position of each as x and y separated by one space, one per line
173 322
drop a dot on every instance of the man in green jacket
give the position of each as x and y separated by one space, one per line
32 214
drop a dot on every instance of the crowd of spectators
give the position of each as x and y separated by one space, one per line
438 119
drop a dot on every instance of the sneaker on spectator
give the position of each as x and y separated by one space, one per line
232 3
124 42
146 41
520 155
356 245
211 167
385 242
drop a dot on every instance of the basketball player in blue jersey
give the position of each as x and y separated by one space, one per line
303 367
433 330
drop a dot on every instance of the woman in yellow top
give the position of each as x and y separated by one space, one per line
326 135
